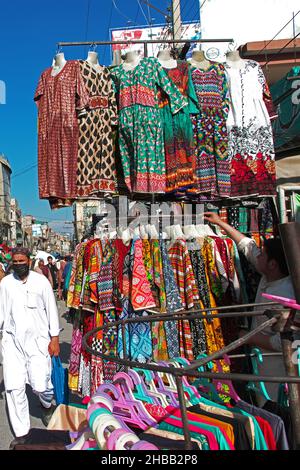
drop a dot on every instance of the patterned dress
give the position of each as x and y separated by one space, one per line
210 132
96 170
178 132
58 97
250 132
140 126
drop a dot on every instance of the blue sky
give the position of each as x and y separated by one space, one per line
29 31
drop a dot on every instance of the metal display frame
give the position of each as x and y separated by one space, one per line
280 320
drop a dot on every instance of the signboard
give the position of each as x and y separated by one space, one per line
159 32
36 230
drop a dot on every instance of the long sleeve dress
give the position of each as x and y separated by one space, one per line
178 133
140 124
210 132
59 98
250 132
96 169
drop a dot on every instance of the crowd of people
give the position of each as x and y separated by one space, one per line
56 269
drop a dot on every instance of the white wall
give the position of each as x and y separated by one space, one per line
247 20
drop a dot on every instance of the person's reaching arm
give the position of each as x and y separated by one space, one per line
246 245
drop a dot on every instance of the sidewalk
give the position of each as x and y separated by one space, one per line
6 435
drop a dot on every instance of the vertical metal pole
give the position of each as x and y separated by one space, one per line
290 235
181 398
294 395
145 50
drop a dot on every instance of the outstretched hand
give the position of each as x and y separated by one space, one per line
212 217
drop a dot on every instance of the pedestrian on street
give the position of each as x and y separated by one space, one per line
29 319
53 271
42 269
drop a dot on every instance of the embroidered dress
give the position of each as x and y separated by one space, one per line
141 296
184 276
58 97
140 125
210 132
250 132
178 132
96 171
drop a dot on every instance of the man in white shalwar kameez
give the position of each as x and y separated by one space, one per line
29 320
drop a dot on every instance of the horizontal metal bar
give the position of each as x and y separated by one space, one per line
173 317
181 372
234 345
148 41
241 356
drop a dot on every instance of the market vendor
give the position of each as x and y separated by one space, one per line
270 262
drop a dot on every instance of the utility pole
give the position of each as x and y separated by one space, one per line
176 19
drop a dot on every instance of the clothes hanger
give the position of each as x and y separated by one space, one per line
220 384
148 377
256 359
125 405
140 390
168 389
126 384
204 383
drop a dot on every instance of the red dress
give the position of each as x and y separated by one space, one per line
58 97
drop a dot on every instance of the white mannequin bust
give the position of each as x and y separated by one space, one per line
166 60
132 59
58 64
92 59
199 60
234 59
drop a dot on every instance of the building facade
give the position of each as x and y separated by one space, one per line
16 229
5 175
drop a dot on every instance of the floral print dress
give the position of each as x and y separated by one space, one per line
251 145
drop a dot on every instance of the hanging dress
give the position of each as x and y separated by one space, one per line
140 125
250 132
59 98
96 171
178 132
210 132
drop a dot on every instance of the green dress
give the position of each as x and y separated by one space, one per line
141 139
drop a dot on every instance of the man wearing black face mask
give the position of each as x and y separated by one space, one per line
29 319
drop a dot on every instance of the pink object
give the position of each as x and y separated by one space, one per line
232 393
86 400
283 300
144 445
112 439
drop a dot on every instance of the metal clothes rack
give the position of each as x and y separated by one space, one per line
281 320
145 42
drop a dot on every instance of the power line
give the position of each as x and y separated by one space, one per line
278 33
277 53
108 28
24 171
120 12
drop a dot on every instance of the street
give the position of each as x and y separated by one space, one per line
6 435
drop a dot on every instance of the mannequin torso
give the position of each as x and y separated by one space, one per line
59 63
92 59
132 59
234 59
199 60
166 60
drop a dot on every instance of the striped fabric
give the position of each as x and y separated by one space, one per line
184 276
